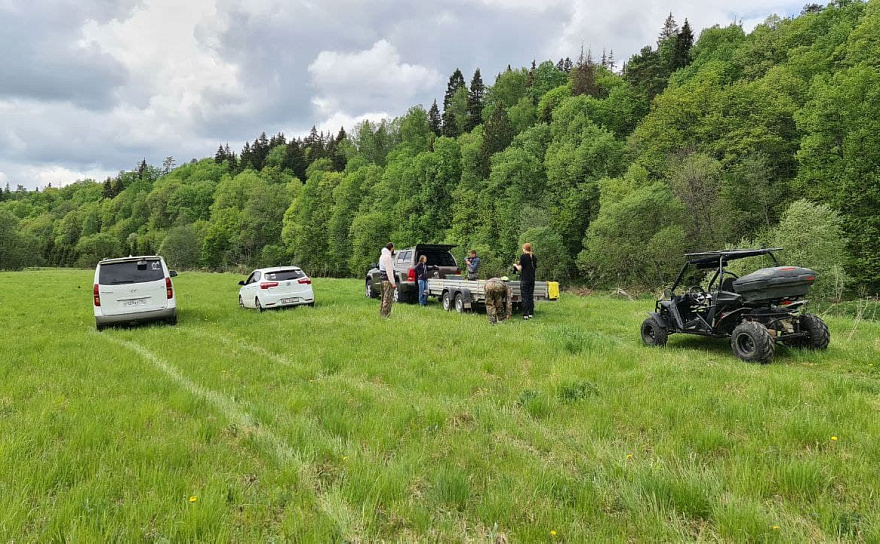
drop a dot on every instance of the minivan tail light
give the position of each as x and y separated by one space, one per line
97 295
268 284
411 274
169 290
304 281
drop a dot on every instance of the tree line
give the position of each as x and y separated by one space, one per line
729 139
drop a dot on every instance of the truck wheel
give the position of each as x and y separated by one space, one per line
819 336
653 333
752 342
369 291
446 300
459 303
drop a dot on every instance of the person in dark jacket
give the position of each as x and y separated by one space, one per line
422 279
526 267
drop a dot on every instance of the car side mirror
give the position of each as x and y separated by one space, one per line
172 273
667 294
241 282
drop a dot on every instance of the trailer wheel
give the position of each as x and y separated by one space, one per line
752 342
653 334
459 303
446 300
819 336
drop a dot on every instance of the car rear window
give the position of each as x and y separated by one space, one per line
283 275
130 272
440 258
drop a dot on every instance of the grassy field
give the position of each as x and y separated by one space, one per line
330 424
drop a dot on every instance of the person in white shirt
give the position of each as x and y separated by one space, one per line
389 281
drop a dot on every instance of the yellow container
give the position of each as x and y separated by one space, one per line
553 290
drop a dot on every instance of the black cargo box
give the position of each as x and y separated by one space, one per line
775 283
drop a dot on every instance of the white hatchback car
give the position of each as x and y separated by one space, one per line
132 289
275 288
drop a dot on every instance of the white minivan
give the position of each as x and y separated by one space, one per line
276 287
132 289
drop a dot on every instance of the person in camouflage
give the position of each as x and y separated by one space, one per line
499 300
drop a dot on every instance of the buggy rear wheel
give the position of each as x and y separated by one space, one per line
818 335
653 334
752 342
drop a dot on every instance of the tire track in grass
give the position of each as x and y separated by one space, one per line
332 503
232 340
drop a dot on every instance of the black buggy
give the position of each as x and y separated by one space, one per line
755 311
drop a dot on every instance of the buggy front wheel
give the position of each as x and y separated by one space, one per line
653 334
752 342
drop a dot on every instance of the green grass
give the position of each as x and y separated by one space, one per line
331 424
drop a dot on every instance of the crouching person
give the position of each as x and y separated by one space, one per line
499 300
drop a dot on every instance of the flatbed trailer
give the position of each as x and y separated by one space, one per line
464 295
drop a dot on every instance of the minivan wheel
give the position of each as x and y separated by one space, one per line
257 304
752 342
99 327
172 320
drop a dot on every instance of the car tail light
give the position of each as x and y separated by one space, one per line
169 290
411 274
811 278
268 284
788 268
304 281
97 295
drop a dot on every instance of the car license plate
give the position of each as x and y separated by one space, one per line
136 302
289 300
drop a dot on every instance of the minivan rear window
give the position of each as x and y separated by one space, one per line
130 272
283 275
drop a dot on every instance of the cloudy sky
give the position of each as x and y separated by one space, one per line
89 87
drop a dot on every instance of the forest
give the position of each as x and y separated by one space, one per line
612 170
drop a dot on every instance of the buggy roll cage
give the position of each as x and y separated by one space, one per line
711 259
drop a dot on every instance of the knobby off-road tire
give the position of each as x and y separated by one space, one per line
653 333
446 300
369 291
752 343
819 335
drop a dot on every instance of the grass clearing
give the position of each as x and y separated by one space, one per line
328 424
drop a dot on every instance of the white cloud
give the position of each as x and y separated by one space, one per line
367 80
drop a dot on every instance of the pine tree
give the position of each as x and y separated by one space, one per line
107 191
475 101
245 157
220 156
456 81
335 151
434 119
583 76
670 29
497 135
682 55
604 60
567 65
142 168
295 159
450 124
560 65
611 60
